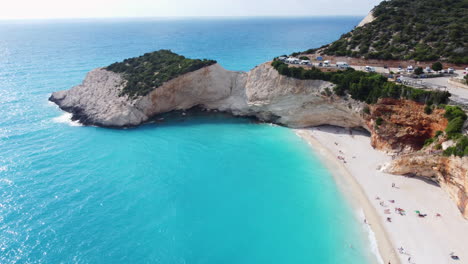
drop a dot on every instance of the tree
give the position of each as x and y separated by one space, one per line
437 66
418 71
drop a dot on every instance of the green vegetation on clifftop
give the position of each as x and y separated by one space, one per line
147 72
456 117
362 86
420 29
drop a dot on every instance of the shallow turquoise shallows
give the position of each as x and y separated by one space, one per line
194 189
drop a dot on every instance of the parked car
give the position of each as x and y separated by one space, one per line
451 71
342 65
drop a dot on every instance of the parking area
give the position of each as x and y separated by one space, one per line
404 75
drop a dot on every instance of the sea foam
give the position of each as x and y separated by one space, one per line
371 238
66 118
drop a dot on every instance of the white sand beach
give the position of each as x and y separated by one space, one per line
425 240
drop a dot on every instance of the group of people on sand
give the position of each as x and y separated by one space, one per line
341 158
402 212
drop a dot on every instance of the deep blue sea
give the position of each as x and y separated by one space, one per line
195 189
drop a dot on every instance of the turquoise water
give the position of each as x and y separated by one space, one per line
195 189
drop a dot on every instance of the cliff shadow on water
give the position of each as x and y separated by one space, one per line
194 116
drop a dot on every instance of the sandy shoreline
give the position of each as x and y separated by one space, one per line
425 240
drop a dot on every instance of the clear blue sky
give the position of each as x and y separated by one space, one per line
26 9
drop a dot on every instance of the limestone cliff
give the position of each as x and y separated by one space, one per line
451 173
262 93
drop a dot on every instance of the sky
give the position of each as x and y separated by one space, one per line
46 9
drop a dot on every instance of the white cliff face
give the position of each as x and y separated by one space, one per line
368 19
296 103
96 101
262 92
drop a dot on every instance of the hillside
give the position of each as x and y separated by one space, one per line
423 30
151 70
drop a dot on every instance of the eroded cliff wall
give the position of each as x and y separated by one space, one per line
451 173
404 125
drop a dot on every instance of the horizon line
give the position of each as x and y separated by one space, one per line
171 17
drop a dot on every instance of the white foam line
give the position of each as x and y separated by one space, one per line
371 237
66 118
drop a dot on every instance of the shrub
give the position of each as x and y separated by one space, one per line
429 141
452 112
379 121
460 149
366 110
428 110
441 106
418 71
437 66
438 133
455 126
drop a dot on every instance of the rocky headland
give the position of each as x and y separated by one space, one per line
261 92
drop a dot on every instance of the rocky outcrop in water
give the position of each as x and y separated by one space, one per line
451 173
262 93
